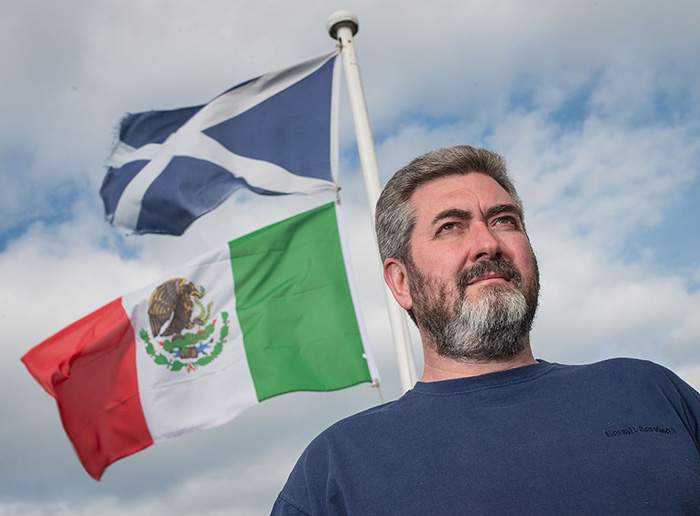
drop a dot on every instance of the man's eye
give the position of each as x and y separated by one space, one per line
507 220
447 226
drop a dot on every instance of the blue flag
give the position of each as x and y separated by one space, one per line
272 135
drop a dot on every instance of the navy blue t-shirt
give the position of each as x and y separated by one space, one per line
617 437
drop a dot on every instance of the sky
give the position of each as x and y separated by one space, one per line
595 106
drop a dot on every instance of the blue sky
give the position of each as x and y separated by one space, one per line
594 105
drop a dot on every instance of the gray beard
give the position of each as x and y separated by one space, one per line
495 327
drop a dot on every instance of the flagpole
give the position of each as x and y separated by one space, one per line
342 26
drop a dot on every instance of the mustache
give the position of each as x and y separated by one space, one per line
498 265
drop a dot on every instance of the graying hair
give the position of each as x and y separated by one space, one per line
395 216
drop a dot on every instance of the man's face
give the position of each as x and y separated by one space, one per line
472 275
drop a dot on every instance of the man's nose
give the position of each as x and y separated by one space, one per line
484 244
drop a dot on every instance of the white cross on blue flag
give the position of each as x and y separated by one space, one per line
272 135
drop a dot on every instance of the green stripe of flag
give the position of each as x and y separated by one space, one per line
294 306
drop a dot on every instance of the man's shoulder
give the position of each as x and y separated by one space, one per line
613 366
629 372
344 446
630 367
365 431
374 417
624 364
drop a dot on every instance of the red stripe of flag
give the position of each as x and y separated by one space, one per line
90 368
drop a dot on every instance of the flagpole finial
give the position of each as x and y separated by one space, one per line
342 19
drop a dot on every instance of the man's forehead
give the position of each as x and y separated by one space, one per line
470 191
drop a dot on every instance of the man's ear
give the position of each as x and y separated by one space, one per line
396 279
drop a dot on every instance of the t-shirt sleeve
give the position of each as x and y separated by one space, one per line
689 400
283 508
305 490
293 499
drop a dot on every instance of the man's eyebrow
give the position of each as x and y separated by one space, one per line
457 213
452 213
504 208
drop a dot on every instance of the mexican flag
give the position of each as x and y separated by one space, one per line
273 312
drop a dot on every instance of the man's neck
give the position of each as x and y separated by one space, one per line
439 368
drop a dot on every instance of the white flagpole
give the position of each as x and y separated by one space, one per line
342 26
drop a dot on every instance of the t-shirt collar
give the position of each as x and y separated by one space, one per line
516 374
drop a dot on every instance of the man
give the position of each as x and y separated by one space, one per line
489 429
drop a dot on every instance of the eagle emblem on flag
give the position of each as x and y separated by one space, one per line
170 314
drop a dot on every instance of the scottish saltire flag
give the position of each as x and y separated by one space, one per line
272 135
271 312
